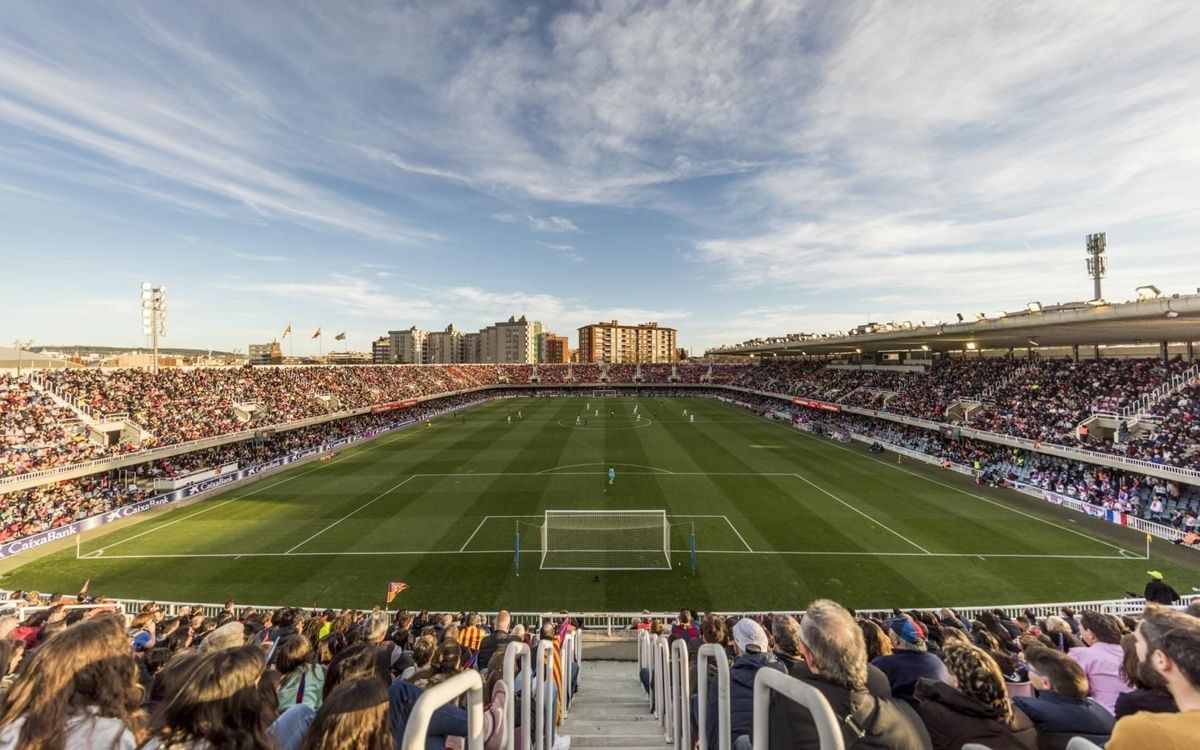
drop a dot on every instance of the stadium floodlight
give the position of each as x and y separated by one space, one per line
971 345
960 317
1034 307
154 316
980 317
1033 342
1148 291
1172 314
1098 302
924 347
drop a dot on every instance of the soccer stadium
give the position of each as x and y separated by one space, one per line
304 509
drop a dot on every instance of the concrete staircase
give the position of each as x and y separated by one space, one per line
611 711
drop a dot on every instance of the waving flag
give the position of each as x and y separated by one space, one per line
394 587
340 337
287 330
317 335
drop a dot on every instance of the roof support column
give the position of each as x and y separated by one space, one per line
1162 351
1075 352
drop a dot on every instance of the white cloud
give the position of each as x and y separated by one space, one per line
554 224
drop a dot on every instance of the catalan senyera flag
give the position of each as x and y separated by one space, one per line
317 335
287 330
340 337
394 587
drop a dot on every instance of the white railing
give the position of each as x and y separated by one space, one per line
517 653
543 704
767 681
1176 383
433 698
681 695
663 708
716 653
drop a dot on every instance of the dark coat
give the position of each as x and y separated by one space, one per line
1160 593
954 719
1056 713
884 723
903 668
1154 701
741 696
447 721
488 646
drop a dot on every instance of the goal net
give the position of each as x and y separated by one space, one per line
606 540
604 392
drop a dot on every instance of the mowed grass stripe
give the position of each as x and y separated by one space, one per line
721 473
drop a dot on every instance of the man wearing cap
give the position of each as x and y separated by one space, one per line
752 654
910 659
1158 591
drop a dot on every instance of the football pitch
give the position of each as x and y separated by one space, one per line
780 518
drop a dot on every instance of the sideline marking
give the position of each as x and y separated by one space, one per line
810 553
388 491
370 445
811 483
949 486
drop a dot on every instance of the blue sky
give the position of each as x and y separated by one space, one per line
733 169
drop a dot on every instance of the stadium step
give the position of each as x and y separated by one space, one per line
610 710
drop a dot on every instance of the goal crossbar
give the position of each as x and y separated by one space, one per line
605 540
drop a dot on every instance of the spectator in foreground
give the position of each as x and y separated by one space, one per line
302 680
1149 690
973 706
355 715
1101 658
1061 708
752 654
79 690
220 703
496 639
834 651
1169 642
910 660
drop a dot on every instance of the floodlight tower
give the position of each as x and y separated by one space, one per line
154 317
1097 264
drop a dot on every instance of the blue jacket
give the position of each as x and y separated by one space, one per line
1056 713
903 668
447 721
741 695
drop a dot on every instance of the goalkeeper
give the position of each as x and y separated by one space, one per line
612 474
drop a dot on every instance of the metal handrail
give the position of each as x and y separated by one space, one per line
544 660
515 652
662 687
1077 743
768 680
432 699
681 687
716 652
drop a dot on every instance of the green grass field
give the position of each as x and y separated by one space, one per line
780 518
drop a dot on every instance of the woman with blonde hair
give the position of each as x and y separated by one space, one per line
354 715
878 644
80 690
973 706
219 702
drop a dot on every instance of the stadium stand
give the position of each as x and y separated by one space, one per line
122 672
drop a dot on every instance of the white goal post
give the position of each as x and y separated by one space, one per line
606 540
604 392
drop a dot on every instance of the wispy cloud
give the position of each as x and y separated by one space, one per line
565 251
555 224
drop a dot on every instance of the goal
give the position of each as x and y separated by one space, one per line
606 540
604 392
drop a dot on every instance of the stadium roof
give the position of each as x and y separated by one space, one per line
8 360
1171 319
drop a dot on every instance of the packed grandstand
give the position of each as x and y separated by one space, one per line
81 443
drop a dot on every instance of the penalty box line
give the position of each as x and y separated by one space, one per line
733 528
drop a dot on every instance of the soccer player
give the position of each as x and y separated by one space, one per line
612 474
692 419
509 418
576 421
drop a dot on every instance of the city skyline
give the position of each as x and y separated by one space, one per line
729 170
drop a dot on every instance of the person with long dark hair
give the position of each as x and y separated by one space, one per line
79 690
1149 689
219 702
354 715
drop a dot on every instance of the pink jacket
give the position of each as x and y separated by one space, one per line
1102 664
